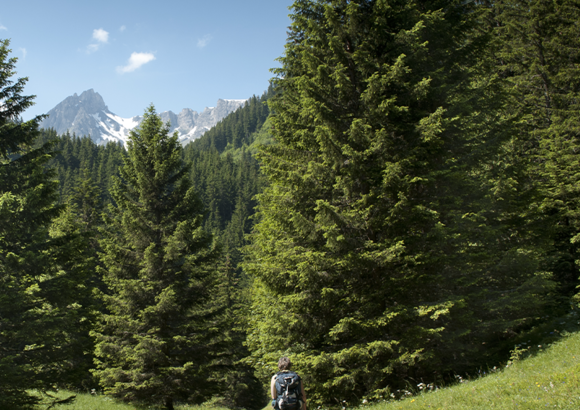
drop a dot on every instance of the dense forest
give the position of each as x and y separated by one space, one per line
222 170
400 206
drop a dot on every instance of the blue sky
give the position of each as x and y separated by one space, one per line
174 54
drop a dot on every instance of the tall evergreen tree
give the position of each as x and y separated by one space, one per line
157 342
366 268
43 296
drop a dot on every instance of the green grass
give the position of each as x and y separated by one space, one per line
549 378
85 401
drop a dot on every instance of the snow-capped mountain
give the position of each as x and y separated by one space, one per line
87 114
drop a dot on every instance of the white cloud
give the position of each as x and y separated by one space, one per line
204 41
122 28
24 52
101 35
3 27
135 61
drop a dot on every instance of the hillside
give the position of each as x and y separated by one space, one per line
541 373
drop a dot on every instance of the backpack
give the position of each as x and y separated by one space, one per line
289 391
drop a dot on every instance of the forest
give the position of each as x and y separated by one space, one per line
402 205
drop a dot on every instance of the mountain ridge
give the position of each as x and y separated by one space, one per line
87 114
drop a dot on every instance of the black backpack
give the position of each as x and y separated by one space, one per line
288 390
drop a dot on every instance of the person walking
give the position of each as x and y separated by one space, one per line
286 388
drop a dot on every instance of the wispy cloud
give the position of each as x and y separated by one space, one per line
135 61
204 41
24 52
101 36
122 28
3 27
91 48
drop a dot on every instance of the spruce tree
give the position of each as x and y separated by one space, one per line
44 300
366 268
159 338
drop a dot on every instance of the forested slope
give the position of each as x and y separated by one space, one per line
223 170
226 177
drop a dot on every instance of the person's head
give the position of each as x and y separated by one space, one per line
284 364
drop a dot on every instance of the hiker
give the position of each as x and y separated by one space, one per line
286 388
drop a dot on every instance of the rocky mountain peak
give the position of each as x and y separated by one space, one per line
87 114
91 101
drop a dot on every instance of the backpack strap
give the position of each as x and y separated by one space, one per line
280 383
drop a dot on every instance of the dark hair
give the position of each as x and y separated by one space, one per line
284 364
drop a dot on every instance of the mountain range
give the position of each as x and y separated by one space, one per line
87 114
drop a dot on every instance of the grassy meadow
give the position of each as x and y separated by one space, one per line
548 378
85 401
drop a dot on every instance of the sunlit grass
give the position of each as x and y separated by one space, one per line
85 401
549 379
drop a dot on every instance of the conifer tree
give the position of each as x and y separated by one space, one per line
44 304
365 268
157 341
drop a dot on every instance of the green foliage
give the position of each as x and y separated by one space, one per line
45 304
160 337
227 175
237 129
77 159
538 54
373 259
227 183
